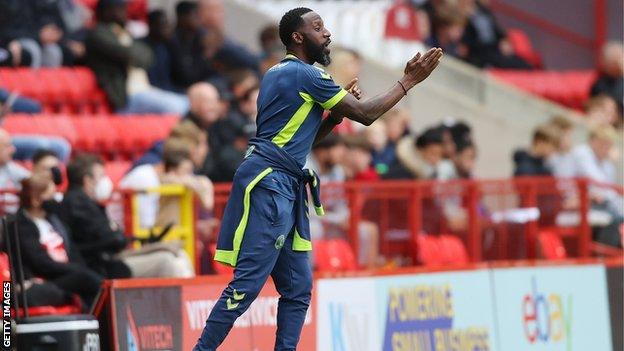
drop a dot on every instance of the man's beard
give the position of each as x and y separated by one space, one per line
316 53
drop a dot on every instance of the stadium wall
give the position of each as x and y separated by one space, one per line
528 306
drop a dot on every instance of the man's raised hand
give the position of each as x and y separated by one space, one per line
420 67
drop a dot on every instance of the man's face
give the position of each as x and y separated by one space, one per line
212 14
161 28
45 164
316 38
337 153
91 181
465 162
432 154
6 148
205 104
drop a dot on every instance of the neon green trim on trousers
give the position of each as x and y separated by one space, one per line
295 121
301 244
230 257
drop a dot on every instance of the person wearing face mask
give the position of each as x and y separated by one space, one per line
100 240
47 250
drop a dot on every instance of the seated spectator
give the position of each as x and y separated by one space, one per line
448 29
100 241
244 85
462 162
12 54
176 167
534 161
46 247
11 174
418 157
395 126
611 78
119 64
189 62
13 102
47 162
593 160
226 51
562 163
269 41
207 113
486 40
358 159
324 160
602 111
158 39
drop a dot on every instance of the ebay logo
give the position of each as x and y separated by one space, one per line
547 317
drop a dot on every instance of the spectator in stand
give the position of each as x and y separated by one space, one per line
418 157
269 41
324 160
119 64
346 65
11 174
25 22
244 85
190 62
358 160
486 40
594 160
382 151
101 241
178 156
159 40
562 163
47 162
12 54
611 78
534 161
603 111
448 29
227 52
45 243
462 162
207 113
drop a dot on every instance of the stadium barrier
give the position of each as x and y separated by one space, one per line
510 306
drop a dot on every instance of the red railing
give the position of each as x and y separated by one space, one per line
495 219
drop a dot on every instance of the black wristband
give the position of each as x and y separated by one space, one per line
402 86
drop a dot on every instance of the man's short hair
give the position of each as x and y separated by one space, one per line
561 122
331 140
175 151
188 130
33 186
547 133
429 137
290 23
464 145
41 154
184 8
358 141
80 167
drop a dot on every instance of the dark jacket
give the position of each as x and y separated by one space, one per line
110 60
37 262
528 165
90 229
613 87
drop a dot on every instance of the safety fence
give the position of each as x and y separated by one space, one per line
505 219
510 306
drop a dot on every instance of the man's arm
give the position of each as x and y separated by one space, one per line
333 119
367 112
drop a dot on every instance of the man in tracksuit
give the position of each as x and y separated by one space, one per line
265 229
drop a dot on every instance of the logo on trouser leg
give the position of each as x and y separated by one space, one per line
237 297
280 241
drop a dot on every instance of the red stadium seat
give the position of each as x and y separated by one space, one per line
569 88
333 255
453 249
115 170
523 48
39 310
428 250
551 246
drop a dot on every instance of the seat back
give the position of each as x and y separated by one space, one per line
551 246
334 255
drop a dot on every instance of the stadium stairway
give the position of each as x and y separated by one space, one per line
502 116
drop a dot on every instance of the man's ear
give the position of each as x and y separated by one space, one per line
297 37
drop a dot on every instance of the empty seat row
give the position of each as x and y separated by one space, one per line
62 90
109 136
569 88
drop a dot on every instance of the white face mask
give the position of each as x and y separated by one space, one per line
103 189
